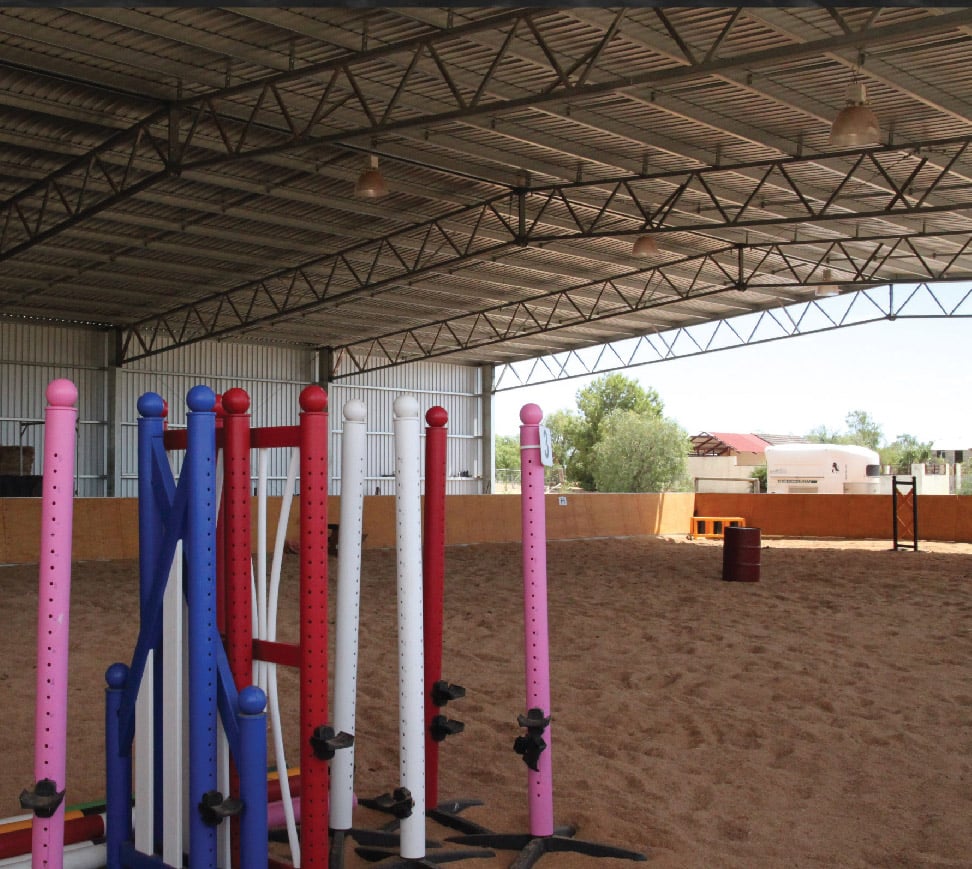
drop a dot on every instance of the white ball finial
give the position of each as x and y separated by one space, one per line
355 410
406 407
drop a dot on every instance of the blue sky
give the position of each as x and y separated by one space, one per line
912 376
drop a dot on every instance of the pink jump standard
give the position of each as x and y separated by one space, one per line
46 798
534 745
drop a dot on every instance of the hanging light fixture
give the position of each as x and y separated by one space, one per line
855 124
371 183
645 245
827 288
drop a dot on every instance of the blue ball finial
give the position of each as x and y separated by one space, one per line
116 676
252 700
151 404
201 399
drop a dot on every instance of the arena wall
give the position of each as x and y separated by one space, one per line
107 528
940 517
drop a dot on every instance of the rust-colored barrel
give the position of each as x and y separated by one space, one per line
740 554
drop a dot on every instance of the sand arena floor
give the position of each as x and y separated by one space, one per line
819 717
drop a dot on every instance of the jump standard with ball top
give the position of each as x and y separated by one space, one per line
217 780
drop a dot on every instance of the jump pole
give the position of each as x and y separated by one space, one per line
534 746
438 691
235 511
433 587
186 512
314 842
200 465
46 797
409 801
411 658
347 617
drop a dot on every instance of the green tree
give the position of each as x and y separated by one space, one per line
507 449
564 426
822 435
965 487
863 430
906 450
759 474
597 401
639 452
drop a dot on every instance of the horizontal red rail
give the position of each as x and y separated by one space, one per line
287 654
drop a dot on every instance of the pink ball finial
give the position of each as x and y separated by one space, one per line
530 414
236 400
313 399
61 393
436 416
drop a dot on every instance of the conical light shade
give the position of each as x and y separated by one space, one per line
855 124
645 245
827 289
371 183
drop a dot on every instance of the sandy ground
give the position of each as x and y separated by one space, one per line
819 717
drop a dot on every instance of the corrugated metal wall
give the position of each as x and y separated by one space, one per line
455 388
272 376
30 358
33 355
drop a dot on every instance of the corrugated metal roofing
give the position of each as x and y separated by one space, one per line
186 173
726 443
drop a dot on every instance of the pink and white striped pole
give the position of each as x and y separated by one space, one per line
53 615
536 745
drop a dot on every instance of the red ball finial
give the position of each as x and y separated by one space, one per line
313 399
436 416
236 400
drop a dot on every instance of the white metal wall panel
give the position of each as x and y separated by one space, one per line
456 388
273 377
31 356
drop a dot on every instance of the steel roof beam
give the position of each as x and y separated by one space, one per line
599 300
487 230
235 122
789 321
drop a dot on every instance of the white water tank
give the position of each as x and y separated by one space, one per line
824 469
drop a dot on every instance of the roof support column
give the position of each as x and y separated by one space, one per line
487 380
113 353
324 363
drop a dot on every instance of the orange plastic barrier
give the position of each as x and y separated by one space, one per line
713 526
